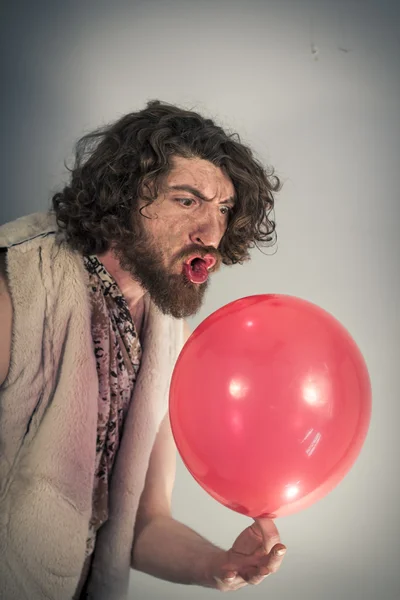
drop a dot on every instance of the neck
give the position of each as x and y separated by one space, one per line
131 289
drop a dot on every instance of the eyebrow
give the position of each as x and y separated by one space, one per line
198 193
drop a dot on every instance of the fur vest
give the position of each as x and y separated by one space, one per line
48 421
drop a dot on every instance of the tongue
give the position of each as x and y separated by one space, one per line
196 271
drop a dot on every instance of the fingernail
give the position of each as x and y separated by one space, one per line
281 552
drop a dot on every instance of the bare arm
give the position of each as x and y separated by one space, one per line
164 547
5 321
170 550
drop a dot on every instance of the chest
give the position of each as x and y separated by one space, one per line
137 313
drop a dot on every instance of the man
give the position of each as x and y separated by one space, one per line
93 300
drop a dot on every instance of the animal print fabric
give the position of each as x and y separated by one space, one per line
118 353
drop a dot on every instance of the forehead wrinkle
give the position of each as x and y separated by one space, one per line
200 176
196 192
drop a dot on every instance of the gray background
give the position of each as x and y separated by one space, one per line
314 87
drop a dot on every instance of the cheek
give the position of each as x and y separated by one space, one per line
176 230
170 233
168 240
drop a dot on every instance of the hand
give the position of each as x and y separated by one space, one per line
256 553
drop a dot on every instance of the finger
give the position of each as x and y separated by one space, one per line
267 529
273 561
254 576
257 579
229 576
230 583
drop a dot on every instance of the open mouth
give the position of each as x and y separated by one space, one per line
196 268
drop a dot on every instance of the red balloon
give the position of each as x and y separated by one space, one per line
270 404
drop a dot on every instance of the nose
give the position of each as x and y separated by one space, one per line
207 231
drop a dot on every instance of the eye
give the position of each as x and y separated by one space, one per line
186 202
225 210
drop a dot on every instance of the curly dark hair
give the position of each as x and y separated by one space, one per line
115 165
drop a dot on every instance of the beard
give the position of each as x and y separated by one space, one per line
174 294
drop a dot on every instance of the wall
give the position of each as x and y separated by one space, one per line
314 87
